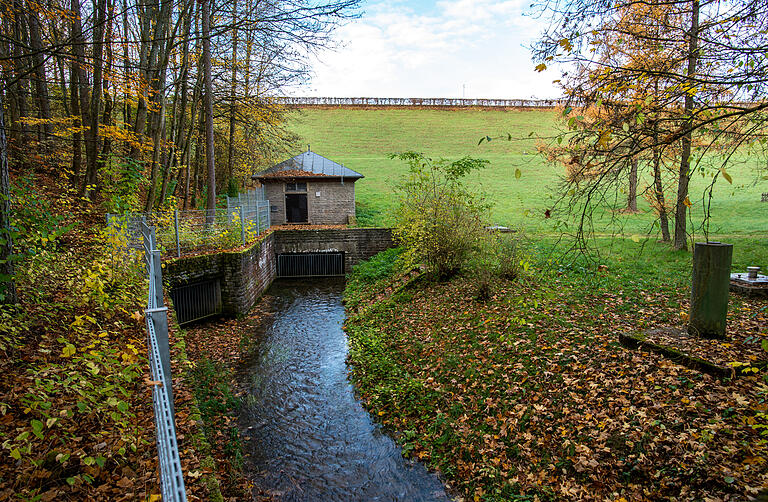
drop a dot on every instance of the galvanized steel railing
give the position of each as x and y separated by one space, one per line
363 101
171 475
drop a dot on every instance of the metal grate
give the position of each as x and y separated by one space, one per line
197 301
310 264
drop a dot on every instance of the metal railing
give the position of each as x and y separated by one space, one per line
363 101
248 198
198 230
156 314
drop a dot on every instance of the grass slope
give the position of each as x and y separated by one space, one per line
529 396
363 139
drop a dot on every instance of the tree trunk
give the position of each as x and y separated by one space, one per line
632 195
92 135
198 159
210 161
63 84
140 124
158 124
190 201
77 136
60 66
109 100
232 99
681 238
7 72
158 60
6 243
20 70
659 186
81 87
709 289
126 104
180 142
41 82
188 142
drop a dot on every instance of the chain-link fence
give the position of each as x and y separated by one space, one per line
249 199
192 231
171 475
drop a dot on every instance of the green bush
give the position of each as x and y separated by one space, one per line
440 222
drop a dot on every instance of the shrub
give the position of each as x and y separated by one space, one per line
439 222
500 256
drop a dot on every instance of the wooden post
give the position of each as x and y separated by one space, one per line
709 288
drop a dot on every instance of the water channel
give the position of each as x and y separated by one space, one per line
309 437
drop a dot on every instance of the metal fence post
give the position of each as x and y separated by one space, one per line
159 317
158 273
258 219
242 224
176 226
171 475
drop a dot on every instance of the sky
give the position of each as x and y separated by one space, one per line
434 48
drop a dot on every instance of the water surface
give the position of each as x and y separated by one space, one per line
310 438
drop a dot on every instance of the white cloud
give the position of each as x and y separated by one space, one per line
394 51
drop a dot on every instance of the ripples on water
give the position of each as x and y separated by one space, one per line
310 438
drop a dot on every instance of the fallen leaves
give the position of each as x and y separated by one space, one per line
529 393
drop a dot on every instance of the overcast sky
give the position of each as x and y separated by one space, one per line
434 48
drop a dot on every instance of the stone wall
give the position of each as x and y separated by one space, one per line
245 275
357 243
275 193
329 202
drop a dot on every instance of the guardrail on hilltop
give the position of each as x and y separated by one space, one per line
500 103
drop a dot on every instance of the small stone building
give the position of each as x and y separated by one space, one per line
311 189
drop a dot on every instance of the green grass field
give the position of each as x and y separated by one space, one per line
363 139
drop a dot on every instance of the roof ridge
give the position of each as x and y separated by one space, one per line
305 162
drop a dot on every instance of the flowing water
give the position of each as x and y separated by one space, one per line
310 438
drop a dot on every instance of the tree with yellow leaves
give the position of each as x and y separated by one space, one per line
657 81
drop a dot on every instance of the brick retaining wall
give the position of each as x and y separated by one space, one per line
245 275
357 243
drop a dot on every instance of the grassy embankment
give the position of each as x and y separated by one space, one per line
363 139
530 395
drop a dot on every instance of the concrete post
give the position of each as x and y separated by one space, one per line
709 288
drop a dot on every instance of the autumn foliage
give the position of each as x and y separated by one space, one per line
529 395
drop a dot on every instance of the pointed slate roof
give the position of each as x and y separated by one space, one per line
308 165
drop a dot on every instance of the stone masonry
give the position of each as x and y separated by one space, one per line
329 202
245 275
357 244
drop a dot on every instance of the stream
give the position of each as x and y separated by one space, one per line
308 437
